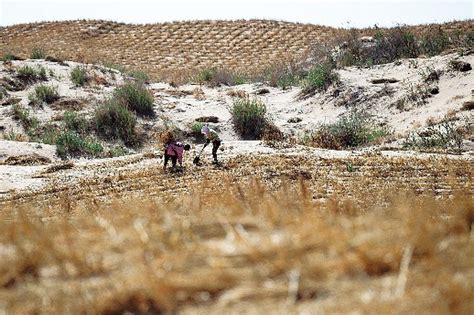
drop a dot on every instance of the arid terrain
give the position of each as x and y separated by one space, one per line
356 196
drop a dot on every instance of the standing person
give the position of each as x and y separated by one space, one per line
211 136
174 151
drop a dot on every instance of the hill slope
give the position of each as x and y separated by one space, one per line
179 46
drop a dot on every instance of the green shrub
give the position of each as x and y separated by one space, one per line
30 74
23 115
70 143
9 57
117 151
47 133
196 127
350 131
319 78
204 76
43 94
114 121
136 97
79 76
38 53
441 136
249 117
139 76
75 122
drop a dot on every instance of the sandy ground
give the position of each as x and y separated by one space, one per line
183 105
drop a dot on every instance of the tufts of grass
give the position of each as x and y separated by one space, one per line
444 135
75 122
9 57
38 53
350 131
136 97
249 117
139 76
43 94
112 120
69 143
23 115
219 76
318 79
32 74
79 76
117 151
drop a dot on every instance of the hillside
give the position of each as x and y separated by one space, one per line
171 49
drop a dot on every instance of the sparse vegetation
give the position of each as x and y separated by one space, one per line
136 97
70 143
444 135
38 53
114 121
350 131
30 74
117 151
23 115
43 94
9 57
139 76
318 79
79 76
249 117
75 122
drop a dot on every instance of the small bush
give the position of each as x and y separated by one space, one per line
114 121
216 77
69 143
204 76
44 94
117 151
38 53
79 76
9 57
47 133
249 117
196 128
75 122
139 76
23 115
135 97
350 131
30 74
319 78
444 135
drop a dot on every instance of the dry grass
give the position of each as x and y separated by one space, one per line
390 236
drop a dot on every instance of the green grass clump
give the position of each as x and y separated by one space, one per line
70 143
136 97
38 53
444 135
30 74
75 122
350 131
112 120
43 94
117 151
249 117
318 79
139 76
9 57
23 115
196 127
79 76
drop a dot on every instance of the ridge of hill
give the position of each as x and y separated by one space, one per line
180 47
